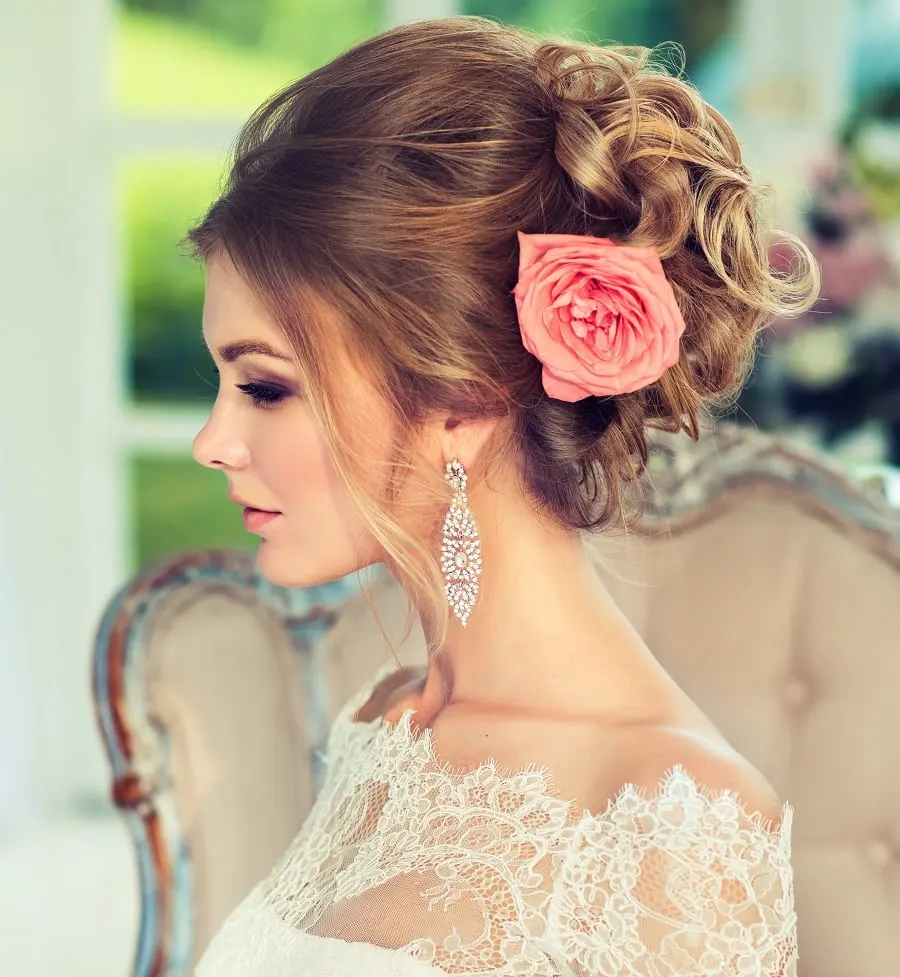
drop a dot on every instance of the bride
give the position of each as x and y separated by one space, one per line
454 277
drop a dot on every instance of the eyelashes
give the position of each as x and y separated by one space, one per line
263 394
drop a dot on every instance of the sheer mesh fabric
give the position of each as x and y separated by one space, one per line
408 867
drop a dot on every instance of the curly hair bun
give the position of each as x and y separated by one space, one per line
647 162
389 187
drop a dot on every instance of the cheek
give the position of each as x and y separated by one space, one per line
296 464
321 537
300 473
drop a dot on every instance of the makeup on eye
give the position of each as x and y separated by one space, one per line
261 391
264 394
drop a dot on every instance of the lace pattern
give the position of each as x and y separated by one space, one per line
486 871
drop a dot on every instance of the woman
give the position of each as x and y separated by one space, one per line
455 276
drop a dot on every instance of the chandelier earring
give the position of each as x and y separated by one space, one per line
460 548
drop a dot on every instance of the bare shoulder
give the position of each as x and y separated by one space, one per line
649 755
590 760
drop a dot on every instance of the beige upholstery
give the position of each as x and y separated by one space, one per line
777 611
788 633
223 680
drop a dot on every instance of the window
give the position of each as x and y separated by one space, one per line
185 73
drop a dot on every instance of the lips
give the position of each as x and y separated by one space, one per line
255 520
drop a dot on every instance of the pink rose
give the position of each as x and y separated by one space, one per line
600 316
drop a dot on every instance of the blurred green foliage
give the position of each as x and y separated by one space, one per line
880 111
694 24
181 506
159 199
176 68
883 184
301 31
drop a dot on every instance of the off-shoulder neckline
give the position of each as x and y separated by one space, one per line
674 784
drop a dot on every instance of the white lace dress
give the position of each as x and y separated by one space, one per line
408 868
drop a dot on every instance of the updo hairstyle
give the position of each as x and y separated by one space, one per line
373 207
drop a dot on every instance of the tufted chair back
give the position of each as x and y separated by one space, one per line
766 581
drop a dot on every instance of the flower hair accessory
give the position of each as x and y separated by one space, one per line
601 316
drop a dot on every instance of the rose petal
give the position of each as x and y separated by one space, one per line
601 317
560 389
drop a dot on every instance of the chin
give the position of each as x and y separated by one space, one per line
287 570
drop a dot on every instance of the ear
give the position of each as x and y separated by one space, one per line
464 439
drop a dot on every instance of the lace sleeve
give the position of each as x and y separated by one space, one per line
685 884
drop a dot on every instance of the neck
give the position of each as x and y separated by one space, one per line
544 630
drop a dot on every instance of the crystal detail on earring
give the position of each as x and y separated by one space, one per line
460 548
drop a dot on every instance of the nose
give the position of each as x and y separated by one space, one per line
217 446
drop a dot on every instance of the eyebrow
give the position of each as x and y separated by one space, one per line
233 351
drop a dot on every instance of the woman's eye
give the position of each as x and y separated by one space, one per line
263 394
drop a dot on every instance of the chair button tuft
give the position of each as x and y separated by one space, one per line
880 853
797 692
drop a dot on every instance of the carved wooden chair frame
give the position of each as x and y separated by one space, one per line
138 750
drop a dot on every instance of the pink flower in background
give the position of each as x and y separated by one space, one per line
602 317
847 241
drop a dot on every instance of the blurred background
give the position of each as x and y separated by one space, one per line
117 120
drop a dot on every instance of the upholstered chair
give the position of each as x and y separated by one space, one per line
766 580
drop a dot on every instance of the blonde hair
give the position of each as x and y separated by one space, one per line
373 206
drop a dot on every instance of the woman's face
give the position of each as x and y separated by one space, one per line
263 435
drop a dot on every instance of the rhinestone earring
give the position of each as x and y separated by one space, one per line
461 547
